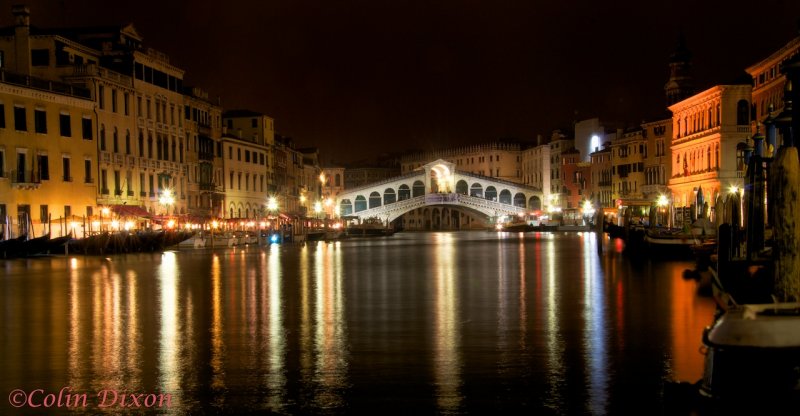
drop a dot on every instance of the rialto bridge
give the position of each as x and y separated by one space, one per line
438 184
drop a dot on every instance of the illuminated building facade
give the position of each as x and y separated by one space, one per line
536 166
576 176
47 157
244 166
310 184
589 137
709 134
203 128
501 160
559 143
657 158
601 177
248 158
143 147
769 84
628 152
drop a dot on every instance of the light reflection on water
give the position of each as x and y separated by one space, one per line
434 322
447 360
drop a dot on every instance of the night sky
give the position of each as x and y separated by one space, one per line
358 78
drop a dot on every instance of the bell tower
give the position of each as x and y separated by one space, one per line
680 84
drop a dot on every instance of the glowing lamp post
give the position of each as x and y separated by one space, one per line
588 209
317 210
167 199
661 202
104 212
272 206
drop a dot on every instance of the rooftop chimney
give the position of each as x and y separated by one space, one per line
22 44
22 15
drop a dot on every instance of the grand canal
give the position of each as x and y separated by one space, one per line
448 323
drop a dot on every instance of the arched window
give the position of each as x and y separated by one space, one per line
708 158
361 203
102 137
418 189
740 148
141 144
374 200
491 193
346 207
403 192
505 196
519 200
476 190
535 203
127 142
116 141
389 196
462 187
742 113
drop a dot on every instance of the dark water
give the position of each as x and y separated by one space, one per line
427 323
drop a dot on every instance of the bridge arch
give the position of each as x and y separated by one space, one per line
403 192
519 200
418 189
374 200
505 197
476 190
491 193
346 207
360 204
462 187
389 196
535 203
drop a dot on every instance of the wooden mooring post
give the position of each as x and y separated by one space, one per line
785 174
786 182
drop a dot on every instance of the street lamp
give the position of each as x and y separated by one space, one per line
104 212
166 199
662 201
317 208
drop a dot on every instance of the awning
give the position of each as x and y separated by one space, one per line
130 211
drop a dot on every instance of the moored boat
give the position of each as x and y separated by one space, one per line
753 353
10 248
371 227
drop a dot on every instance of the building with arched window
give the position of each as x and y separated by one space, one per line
708 129
769 83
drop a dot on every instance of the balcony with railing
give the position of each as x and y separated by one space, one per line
25 179
44 84
92 70
210 187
